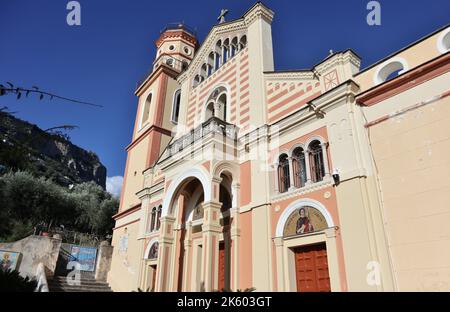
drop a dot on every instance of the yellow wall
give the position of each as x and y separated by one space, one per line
124 272
411 152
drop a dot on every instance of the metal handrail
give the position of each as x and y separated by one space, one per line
212 125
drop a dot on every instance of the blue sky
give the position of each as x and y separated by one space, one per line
101 60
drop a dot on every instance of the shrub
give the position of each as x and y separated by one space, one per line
10 280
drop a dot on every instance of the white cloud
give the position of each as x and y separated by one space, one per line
114 185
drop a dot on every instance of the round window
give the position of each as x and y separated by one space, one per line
187 51
171 47
169 62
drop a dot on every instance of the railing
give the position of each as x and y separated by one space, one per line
77 238
175 26
213 125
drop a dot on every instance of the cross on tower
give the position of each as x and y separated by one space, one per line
221 17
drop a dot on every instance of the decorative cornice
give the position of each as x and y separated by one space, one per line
176 34
163 68
288 75
126 212
258 11
145 133
327 182
337 59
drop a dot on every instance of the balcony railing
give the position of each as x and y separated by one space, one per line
176 26
213 125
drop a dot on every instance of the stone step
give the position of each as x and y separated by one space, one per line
79 290
82 282
74 287
87 284
81 285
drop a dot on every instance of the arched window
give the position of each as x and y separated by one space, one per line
226 51
209 111
146 111
158 218
211 58
203 72
176 106
390 69
152 225
299 167
184 65
283 173
234 46
222 101
443 42
316 163
218 55
243 42
196 81
217 104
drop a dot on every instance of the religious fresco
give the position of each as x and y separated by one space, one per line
304 220
153 253
9 260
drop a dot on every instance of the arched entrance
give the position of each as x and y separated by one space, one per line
306 249
187 207
196 237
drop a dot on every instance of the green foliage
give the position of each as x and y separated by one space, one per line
26 201
11 281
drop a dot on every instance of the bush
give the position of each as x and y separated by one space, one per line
27 201
11 280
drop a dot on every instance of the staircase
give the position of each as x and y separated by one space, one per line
88 284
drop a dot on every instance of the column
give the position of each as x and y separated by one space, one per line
235 237
187 257
165 250
278 241
291 174
211 230
325 160
276 177
307 167
217 109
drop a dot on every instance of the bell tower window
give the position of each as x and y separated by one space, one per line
146 111
176 106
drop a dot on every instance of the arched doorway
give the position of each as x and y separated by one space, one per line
187 209
306 248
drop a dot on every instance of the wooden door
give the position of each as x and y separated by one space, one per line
153 286
311 268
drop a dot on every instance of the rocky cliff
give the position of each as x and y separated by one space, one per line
24 146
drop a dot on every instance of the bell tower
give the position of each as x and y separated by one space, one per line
159 98
175 47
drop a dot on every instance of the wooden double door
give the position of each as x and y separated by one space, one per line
311 267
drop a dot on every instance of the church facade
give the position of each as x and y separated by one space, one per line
326 179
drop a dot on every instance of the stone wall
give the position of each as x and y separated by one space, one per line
35 250
103 261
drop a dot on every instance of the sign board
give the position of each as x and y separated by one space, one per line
85 256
